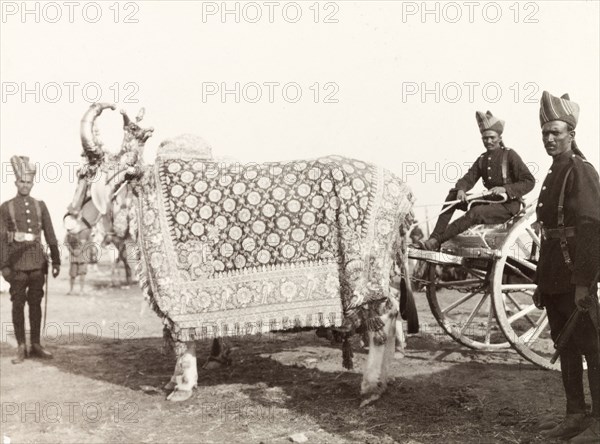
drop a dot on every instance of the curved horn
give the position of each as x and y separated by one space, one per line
126 119
89 142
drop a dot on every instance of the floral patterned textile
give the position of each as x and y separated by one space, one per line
236 249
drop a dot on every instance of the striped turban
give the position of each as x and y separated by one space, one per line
487 122
22 167
558 108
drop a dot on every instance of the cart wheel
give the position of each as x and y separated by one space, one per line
525 326
464 308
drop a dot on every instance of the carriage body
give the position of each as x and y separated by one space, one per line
490 307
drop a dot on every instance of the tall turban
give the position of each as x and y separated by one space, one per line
23 168
487 122
558 108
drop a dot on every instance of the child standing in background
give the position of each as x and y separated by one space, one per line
77 260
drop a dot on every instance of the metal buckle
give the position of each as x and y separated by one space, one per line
24 237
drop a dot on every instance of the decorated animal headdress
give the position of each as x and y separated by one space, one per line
132 147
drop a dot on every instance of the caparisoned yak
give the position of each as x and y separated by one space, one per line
231 249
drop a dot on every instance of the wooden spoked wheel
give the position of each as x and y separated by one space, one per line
524 326
464 308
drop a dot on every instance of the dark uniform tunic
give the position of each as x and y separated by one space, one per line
26 259
488 167
582 211
556 281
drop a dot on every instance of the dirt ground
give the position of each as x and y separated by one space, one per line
105 384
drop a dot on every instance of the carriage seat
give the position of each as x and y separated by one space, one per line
479 241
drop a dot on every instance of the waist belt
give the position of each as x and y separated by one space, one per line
25 237
557 233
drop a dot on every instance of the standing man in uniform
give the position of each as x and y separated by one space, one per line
502 172
567 274
22 258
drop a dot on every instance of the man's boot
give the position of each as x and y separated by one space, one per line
572 425
37 351
546 423
589 435
21 354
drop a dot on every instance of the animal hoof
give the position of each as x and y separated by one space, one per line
179 395
399 355
212 365
170 386
370 399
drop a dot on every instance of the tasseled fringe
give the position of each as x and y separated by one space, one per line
144 283
379 337
167 341
216 348
376 325
347 353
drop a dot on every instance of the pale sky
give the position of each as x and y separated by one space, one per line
373 63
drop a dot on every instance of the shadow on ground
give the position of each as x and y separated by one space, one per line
291 376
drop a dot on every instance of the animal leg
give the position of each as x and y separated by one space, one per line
127 272
374 380
122 251
128 255
390 346
400 340
219 355
113 267
114 270
185 377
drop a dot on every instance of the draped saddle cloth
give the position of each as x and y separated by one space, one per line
231 249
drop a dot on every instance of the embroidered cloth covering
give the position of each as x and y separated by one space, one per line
239 249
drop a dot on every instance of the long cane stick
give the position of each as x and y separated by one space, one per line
451 203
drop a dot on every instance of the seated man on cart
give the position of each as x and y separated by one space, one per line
502 172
